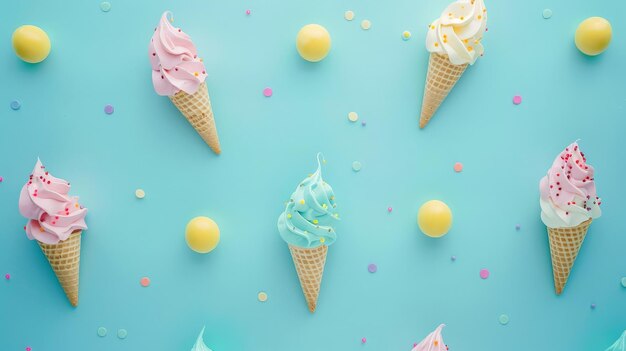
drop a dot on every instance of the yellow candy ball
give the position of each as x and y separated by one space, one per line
313 42
202 234
593 36
434 218
31 44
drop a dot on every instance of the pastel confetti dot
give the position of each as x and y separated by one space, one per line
593 306
623 281
547 13
108 109
105 6
458 167
348 15
15 105
504 319
372 268
518 227
28 348
248 12
145 282
102 332
8 276
366 24
122 333
353 116
140 193
262 296
363 340
484 274
268 92
406 35
389 209
363 124
517 99
453 258
1 179
356 166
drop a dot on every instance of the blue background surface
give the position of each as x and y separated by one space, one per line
269 145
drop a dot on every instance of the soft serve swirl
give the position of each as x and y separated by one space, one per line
306 220
53 214
568 191
458 32
174 60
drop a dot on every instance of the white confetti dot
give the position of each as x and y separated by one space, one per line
348 15
366 24
140 193
353 116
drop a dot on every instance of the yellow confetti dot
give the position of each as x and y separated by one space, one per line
469 48
302 202
366 24
436 342
322 240
462 18
140 194
76 205
432 27
315 221
480 17
406 35
262 296
195 74
436 44
348 15
41 229
324 206
465 41
353 117
289 215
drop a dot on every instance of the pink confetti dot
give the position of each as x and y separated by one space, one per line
145 281
363 340
7 276
389 209
28 348
484 273
247 12
108 109
458 167
517 99
1 179
268 92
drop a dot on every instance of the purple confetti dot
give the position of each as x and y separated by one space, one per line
108 109
518 227
593 306
372 268
484 274
363 123
453 258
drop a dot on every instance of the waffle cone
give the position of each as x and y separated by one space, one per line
197 109
441 77
564 246
64 259
310 267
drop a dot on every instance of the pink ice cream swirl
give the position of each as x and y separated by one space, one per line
568 191
52 214
174 60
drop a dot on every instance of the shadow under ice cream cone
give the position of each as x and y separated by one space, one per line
178 72
56 220
568 205
454 42
305 227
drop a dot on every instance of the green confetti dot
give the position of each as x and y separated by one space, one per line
122 333
102 332
504 319
547 13
356 166
105 6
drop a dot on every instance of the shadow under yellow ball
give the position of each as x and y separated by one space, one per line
202 234
434 218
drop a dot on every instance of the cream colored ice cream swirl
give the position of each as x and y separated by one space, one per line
458 32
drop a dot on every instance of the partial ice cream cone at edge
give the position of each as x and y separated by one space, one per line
441 77
565 243
64 258
197 109
310 267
